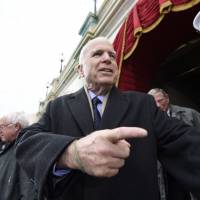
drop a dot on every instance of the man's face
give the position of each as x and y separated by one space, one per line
99 65
8 131
161 101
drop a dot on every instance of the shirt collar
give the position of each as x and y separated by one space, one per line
92 95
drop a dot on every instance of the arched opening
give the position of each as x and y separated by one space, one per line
179 74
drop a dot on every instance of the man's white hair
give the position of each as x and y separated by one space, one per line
87 46
158 90
17 117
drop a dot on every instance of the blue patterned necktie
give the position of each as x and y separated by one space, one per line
97 116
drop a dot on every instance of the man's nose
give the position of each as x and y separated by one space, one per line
106 54
106 57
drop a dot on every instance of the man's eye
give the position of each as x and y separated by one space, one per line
112 55
96 54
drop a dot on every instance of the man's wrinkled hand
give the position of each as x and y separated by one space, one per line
102 153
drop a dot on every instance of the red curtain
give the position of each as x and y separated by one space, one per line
144 17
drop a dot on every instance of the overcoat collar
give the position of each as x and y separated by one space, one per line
115 110
80 108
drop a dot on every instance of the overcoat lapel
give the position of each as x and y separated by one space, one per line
81 112
115 110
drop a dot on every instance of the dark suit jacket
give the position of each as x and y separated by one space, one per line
191 117
188 115
175 144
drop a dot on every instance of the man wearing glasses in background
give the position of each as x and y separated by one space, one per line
14 183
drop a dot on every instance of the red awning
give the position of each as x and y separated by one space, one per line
151 31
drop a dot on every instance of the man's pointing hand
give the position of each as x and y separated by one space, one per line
102 153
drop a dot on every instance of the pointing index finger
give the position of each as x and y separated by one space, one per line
125 133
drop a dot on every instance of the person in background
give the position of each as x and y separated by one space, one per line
190 116
14 184
102 144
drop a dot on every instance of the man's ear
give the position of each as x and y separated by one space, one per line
80 71
18 126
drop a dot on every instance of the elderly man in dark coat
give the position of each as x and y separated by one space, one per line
86 146
14 184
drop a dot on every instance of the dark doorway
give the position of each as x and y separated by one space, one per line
179 75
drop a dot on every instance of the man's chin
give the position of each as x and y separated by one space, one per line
106 81
101 84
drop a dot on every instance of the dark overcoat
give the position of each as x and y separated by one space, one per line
174 143
14 183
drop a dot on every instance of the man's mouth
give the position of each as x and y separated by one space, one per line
107 70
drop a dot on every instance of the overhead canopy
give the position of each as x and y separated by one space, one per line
152 30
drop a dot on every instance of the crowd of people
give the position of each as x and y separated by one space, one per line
100 143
